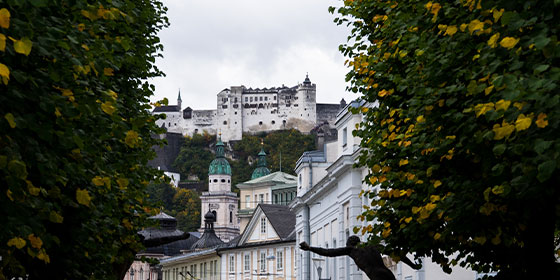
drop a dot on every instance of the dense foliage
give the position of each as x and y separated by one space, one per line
75 135
286 146
462 143
183 204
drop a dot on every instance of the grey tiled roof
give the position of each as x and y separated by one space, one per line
281 218
163 109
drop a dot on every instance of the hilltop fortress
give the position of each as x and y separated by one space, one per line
245 110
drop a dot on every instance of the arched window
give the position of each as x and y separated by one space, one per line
215 215
230 217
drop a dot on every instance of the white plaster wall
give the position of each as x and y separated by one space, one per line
175 178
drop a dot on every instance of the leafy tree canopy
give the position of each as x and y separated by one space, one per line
462 143
75 135
286 146
183 204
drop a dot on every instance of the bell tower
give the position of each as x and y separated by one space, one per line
220 200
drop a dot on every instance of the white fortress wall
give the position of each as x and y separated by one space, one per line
245 110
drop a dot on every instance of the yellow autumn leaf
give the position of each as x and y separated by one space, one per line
17 242
97 180
475 26
493 41
541 122
386 232
501 132
122 182
2 42
523 122
4 73
434 198
463 27
32 189
437 183
407 220
131 138
488 90
497 14
10 118
36 242
42 255
365 109
403 162
452 29
57 112
23 46
437 236
384 92
55 217
420 119
502 105
82 196
508 42
108 107
4 18
108 72
481 109
480 240
430 206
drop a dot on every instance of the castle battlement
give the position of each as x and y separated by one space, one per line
246 110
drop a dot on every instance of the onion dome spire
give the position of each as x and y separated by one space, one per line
261 169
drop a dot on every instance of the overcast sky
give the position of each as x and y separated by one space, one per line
212 45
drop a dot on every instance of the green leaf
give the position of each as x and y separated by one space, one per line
499 149
541 146
541 68
3 161
17 169
545 170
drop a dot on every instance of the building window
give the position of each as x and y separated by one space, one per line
230 217
132 274
261 198
279 260
231 263
251 99
260 123
247 201
273 122
246 262
266 98
225 122
215 180
223 180
141 274
246 99
215 215
260 98
263 261
263 225
344 137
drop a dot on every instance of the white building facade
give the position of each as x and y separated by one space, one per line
327 206
245 110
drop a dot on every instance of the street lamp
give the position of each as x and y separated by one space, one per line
317 263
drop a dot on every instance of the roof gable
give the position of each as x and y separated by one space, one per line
280 223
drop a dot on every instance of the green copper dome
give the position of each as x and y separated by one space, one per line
219 165
261 169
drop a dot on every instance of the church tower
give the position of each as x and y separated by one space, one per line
220 200
261 169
